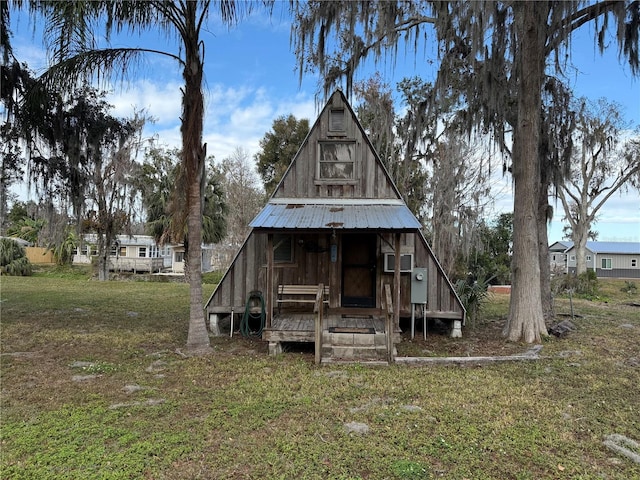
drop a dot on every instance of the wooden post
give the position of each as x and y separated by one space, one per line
317 309
388 325
269 293
396 290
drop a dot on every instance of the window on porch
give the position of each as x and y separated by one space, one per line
282 248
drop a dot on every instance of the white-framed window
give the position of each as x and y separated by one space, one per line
573 258
142 252
336 160
178 257
634 262
282 248
84 250
94 250
605 263
588 258
406 262
113 251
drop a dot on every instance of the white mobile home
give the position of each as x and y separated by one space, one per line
129 253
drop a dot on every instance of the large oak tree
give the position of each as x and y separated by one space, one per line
496 43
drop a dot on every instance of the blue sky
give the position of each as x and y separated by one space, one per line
251 79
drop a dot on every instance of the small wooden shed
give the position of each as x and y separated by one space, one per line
337 238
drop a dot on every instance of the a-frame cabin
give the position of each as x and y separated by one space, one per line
336 219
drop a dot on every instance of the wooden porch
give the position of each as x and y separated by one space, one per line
299 326
344 334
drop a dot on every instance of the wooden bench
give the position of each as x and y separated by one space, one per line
300 294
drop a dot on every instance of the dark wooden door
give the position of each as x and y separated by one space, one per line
359 270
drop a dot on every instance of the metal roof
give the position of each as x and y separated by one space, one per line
610 247
343 214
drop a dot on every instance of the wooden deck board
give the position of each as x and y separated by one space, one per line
300 326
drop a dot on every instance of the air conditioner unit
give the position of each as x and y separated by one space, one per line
406 262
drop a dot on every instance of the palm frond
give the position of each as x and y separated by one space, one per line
100 65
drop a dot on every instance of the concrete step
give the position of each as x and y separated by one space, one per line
355 353
372 363
364 339
354 347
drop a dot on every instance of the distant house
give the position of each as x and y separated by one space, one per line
558 257
336 219
607 259
141 254
129 253
178 255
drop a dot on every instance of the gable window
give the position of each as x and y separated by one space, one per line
336 160
606 263
573 258
336 120
588 258
282 248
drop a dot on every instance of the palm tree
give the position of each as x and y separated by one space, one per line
163 188
70 26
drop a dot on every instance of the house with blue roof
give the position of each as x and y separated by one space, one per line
607 259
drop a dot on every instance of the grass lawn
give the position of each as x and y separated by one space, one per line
93 388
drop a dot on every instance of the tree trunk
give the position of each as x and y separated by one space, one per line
525 320
193 157
582 225
546 299
579 237
103 260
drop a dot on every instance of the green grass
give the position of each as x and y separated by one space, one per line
241 414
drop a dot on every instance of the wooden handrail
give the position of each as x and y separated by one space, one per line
317 309
388 307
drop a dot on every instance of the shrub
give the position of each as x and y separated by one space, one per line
585 284
629 288
13 259
212 278
473 294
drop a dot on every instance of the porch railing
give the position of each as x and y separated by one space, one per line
317 309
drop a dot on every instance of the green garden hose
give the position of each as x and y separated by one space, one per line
251 317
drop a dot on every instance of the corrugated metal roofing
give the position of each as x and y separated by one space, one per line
365 214
610 247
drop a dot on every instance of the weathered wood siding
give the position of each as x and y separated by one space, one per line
312 265
248 271
441 296
369 179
